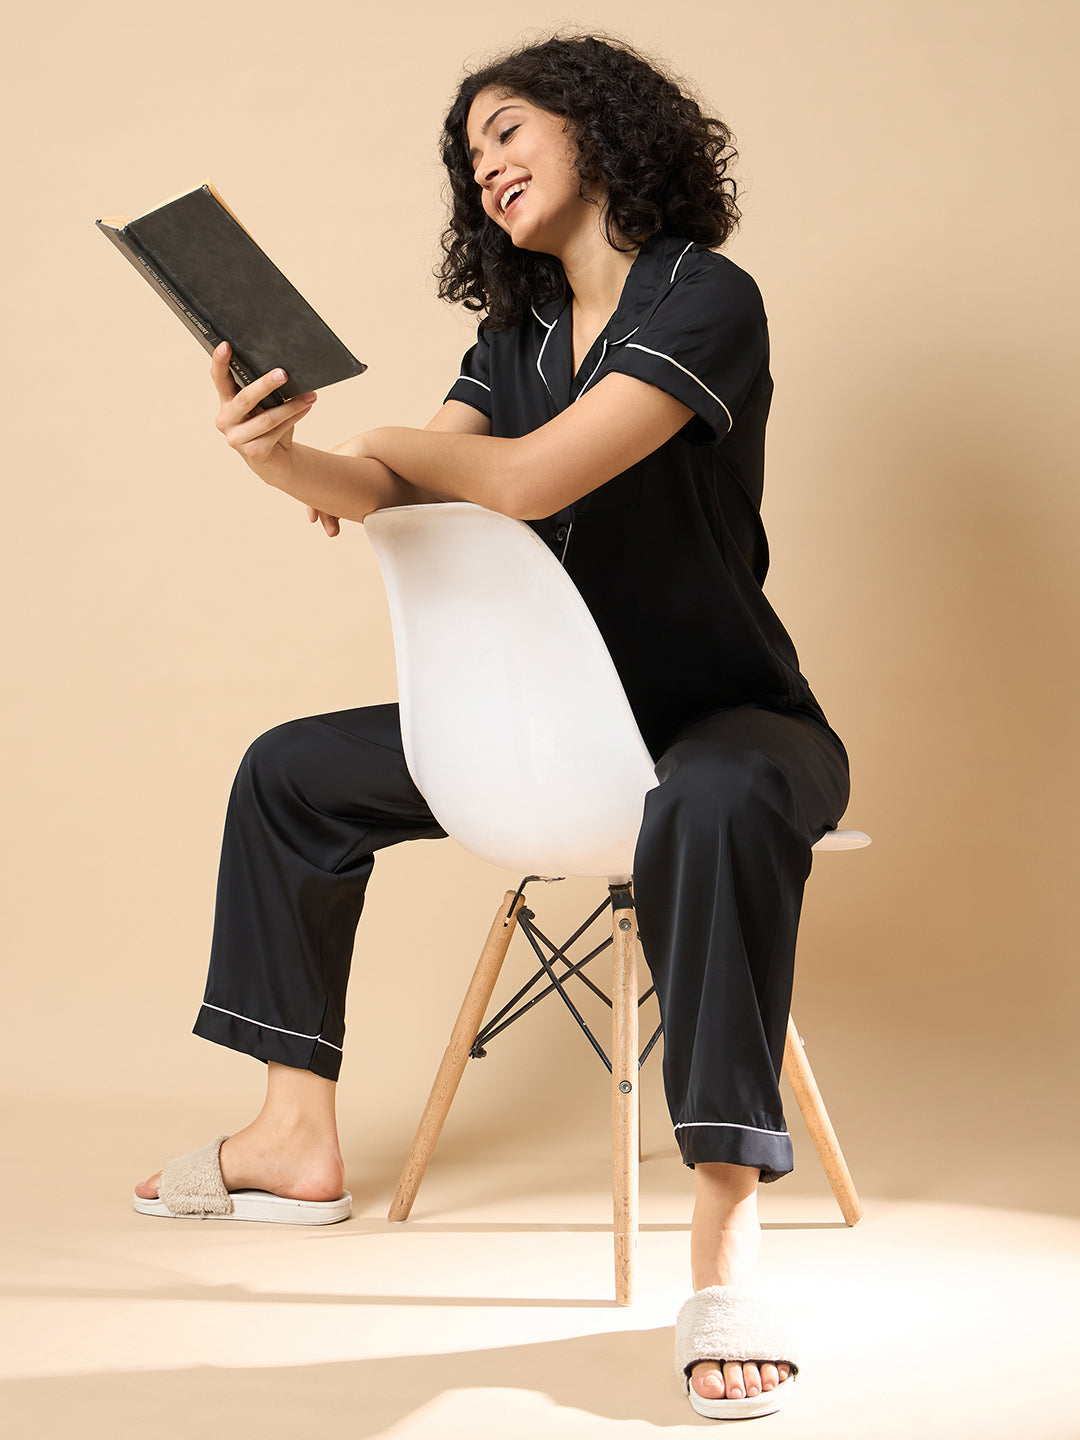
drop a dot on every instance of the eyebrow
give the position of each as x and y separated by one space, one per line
484 128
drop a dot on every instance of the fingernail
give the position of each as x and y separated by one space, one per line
279 374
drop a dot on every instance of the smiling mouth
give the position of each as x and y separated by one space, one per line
515 198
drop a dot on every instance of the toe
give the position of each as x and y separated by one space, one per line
751 1378
148 1190
770 1377
733 1381
707 1380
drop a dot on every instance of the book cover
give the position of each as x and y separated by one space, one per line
214 277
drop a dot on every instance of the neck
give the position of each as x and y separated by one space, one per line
595 272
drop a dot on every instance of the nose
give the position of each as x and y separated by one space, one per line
487 171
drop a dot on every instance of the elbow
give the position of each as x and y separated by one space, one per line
508 503
528 492
523 509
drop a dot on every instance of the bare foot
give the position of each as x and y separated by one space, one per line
298 1165
735 1381
726 1238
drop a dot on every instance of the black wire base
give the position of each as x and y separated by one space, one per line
619 898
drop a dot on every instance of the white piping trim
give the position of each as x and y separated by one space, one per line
263 1026
475 382
591 377
627 335
677 262
542 320
727 1125
539 357
661 356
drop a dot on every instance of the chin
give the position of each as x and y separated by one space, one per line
525 238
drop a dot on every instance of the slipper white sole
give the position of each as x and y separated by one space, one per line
745 1408
263 1205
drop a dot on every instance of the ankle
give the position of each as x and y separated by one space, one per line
282 1129
724 1244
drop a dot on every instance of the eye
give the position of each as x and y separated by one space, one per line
502 138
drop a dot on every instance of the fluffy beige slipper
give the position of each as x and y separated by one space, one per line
193 1187
728 1322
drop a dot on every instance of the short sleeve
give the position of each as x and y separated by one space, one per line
473 384
705 342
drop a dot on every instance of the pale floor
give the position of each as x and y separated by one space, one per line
490 1313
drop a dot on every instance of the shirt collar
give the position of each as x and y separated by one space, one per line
651 271
649 275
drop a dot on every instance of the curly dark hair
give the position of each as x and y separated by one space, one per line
664 164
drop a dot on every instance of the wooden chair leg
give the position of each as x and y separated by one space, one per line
467 1027
818 1123
624 1091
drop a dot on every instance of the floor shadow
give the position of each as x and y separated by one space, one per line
616 1377
244 1295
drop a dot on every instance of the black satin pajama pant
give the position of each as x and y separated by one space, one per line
722 857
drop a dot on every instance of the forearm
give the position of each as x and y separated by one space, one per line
348 486
488 470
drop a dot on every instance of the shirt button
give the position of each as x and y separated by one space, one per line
561 533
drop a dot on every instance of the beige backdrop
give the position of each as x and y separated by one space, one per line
909 215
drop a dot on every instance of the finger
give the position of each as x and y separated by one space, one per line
312 514
264 424
260 450
243 402
330 524
220 373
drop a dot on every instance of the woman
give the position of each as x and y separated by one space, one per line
616 399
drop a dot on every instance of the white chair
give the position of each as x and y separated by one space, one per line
518 734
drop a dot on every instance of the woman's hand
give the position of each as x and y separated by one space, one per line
331 523
261 438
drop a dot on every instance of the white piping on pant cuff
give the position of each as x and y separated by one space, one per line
727 1125
280 1030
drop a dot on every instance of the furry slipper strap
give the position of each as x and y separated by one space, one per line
728 1322
194 1185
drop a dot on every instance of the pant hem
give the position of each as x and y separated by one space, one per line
265 1044
734 1145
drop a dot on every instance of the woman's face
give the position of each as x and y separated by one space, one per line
514 143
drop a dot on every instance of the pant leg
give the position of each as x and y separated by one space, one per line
722 858
312 802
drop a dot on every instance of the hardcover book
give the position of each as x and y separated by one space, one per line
210 272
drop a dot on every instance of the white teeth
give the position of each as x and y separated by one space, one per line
517 189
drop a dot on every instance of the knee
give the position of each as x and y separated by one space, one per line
275 760
730 790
